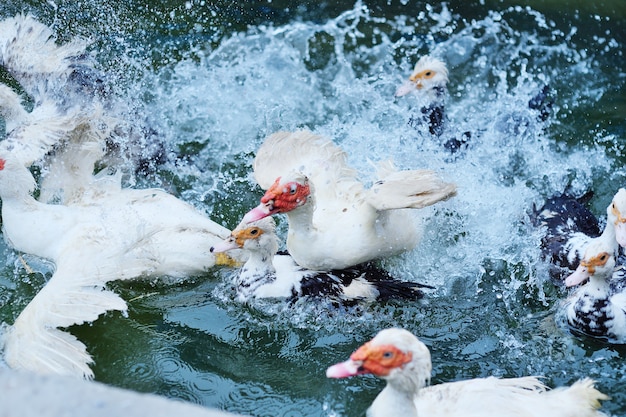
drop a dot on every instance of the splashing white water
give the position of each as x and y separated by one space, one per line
216 104
322 77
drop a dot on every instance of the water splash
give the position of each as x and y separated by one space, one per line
338 79
212 99
322 77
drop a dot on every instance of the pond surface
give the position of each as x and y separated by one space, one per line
212 79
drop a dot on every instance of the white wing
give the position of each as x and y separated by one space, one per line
35 343
303 152
29 52
47 127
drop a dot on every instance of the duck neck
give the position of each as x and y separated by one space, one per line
433 114
394 400
18 188
257 271
598 287
301 219
608 234
439 93
398 397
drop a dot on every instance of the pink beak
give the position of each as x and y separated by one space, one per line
259 212
578 276
225 245
405 89
343 369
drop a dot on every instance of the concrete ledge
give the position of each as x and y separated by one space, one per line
26 395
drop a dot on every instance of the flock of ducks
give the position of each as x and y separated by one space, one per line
127 233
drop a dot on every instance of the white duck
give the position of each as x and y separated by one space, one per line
598 308
404 362
334 221
103 232
570 227
268 274
114 235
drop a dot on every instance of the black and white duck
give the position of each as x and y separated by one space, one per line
269 274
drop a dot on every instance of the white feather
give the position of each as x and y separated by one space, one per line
111 234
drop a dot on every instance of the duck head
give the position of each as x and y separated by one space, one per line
599 262
286 194
393 354
429 75
258 236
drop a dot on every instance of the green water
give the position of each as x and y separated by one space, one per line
214 78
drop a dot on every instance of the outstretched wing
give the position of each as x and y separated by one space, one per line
74 295
30 53
409 189
303 152
32 135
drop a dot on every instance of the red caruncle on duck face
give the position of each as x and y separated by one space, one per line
284 197
380 360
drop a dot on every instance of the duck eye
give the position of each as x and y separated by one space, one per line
293 188
428 73
254 231
388 355
603 257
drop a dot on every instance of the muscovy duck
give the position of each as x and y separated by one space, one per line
267 273
334 221
400 358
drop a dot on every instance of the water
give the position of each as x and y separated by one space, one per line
213 79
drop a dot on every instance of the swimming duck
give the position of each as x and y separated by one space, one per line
598 308
112 235
570 227
267 273
400 358
334 221
429 79
428 83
